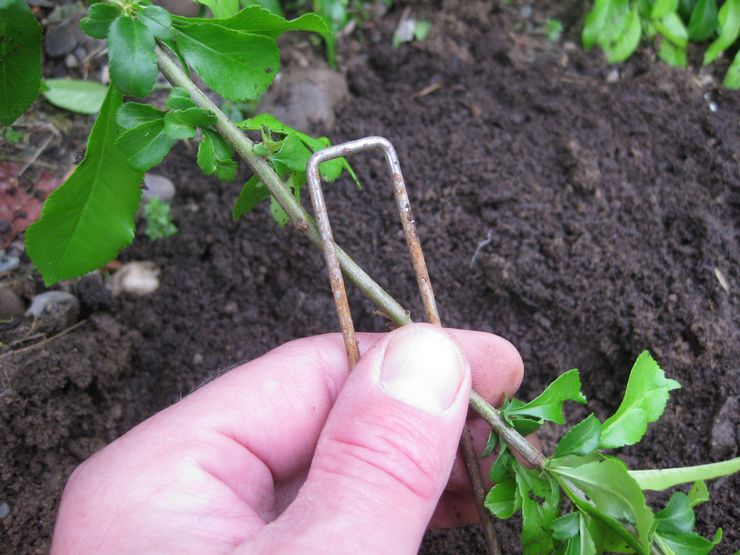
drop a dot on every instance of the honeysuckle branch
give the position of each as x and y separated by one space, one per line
304 223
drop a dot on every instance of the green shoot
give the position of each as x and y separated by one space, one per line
159 224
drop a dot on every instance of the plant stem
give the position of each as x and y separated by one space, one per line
304 223
664 478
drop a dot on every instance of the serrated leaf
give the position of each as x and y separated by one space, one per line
677 517
253 193
621 40
673 29
146 145
20 60
75 95
595 22
662 8
158 21
293 154
612 495
565 527
540 498
181 124
732 79
503 499
501 469
491 444
582 543
98 20
133 114
90 218
582 439
728 22
179 99
698 493
671 54
133 64
237 65
703 20
215 155
549 404
644 401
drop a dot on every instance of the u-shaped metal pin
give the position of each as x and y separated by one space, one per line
413 242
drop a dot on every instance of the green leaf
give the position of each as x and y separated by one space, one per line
253 193
501 469
215 155
595 22
422 29
582 543
687 544
540 498
20 60
565 527
503 500
237 65
728 21
677 517
179 99
582 439
133 64
644 402
732 79
293 154
278 214
662 8
147 144
703 20
672 28
609 492
159 224
661 479
133 114
491 444
83 97
6 3
90 218
181 124
221 8
330 170
158 21
698 493
672 55
621 40
99 19
549 404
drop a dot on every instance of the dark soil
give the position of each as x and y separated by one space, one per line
610 209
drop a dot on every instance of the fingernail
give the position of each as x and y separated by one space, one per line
423 368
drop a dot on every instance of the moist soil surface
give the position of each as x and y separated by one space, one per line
609 211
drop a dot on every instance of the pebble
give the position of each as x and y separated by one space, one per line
11 305
136 279
54 311
306 98
62 38
725 430
71 61
158 186
8 263
612 76
4 510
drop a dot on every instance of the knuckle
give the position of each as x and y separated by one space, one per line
388 450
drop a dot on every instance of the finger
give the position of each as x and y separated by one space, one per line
389 442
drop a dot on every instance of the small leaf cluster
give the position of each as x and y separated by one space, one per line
617 26
583 501
287 150
159 224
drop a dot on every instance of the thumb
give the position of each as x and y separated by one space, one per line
385 454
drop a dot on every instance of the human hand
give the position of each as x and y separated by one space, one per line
291 453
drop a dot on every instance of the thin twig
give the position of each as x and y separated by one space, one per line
47 340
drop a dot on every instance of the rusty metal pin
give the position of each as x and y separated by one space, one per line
413 243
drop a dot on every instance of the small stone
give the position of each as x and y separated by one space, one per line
158 186
54 311
613 75
11 305
4 510
305 98
136 279
724 430
197 359
62 38
231 307
71 61
8 263
713 107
